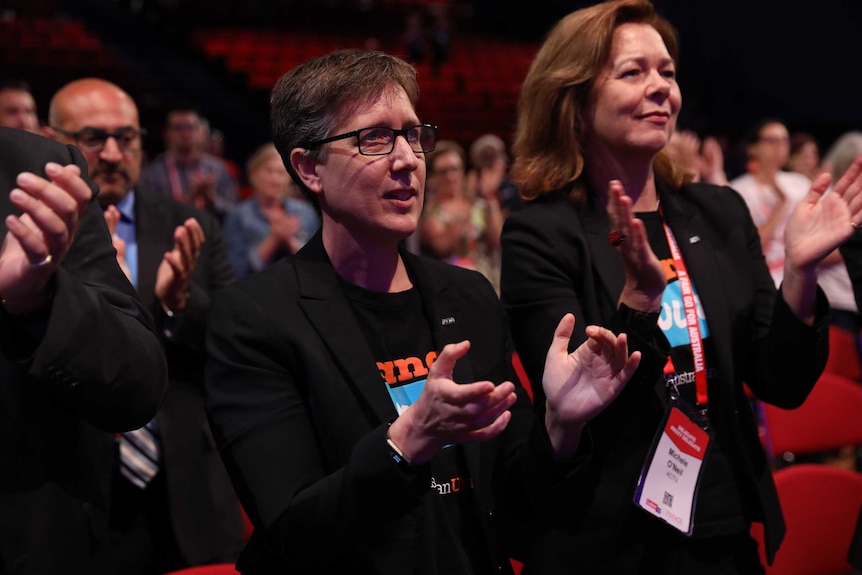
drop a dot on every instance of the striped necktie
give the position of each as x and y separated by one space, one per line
139 455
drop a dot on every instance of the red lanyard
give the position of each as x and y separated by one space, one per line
690 316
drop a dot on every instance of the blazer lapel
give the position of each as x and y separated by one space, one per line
329 311
448 325
154 235
442 310
606 260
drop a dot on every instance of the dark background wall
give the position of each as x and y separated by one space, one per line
741 60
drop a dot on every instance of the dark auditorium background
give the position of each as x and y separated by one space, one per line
741 60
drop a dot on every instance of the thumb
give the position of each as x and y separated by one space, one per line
562 335
445 362
120 246
111 218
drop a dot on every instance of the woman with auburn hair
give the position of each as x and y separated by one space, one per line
612 234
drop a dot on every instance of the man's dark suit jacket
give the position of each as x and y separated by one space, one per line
204 510
96 367
300 411
557 259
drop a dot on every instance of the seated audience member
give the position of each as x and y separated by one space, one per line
770 193
271 224
185 171
489 167
700 160
79 359
804 157
215 146
17 107
456 227
332 377
178 508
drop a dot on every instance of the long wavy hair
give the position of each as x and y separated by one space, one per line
550 137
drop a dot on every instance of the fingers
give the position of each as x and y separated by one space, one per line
43 231
562 336
29 237
120 246
188 239
68 178
614 350
112 218
196 231
619 206
491 431
819 187
631 366
445 362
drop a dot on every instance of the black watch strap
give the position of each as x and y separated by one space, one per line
399 458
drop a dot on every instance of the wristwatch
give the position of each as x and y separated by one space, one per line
398 457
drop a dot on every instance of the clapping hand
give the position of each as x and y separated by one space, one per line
450 413
39 239
645 278
579 385
819 224
175 271
202 188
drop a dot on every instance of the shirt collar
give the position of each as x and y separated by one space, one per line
126 206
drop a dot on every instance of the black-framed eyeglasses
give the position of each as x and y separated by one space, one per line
380 141
94 139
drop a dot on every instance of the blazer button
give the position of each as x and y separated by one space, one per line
492 519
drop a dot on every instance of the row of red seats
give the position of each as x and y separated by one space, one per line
474 92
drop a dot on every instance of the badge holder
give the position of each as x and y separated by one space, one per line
669 481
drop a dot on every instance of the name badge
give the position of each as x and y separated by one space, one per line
667 488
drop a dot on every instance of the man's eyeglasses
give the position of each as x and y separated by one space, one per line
94 139
379 141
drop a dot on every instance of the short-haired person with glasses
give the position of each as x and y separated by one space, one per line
178 509
363 397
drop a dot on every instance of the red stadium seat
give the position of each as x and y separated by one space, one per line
821 504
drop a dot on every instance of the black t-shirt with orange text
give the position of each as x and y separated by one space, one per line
399 336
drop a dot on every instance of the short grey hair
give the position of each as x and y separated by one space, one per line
843 152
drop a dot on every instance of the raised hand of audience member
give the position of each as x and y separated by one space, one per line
579 385
202 187
174 273
39 239
284 227
684 149
488 179
818 225
712 162
450 413
645 278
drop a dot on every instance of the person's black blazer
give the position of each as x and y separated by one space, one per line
95 368
557 259
202 505
851 251
300 413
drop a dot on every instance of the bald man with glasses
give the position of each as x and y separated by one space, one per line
172 505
